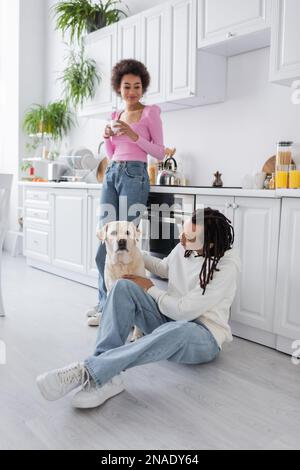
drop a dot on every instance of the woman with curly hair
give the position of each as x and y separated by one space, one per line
126 183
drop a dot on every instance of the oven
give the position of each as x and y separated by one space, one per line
161 223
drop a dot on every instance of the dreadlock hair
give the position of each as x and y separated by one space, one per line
219 233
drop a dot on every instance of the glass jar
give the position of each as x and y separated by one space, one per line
272 184
267 182
152 170
294 177
284 158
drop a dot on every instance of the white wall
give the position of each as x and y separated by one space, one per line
22 77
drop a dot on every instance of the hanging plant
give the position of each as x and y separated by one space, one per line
83 16
55 120
80 78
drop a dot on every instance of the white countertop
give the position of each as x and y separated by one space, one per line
180 190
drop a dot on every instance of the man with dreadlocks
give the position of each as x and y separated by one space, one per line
187 324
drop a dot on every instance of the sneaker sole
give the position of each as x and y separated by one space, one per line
95 403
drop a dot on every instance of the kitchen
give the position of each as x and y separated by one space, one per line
229 90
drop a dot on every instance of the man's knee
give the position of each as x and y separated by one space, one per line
124 286
178 327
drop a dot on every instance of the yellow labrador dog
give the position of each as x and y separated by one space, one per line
123 255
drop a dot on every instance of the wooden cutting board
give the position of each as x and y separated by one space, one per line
270 165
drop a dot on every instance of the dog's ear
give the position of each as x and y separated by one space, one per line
102 233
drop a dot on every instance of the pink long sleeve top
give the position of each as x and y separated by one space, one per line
150 141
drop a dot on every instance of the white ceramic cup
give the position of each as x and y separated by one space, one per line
114 125
258 180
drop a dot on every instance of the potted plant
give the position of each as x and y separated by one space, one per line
79 78
80 16
54 120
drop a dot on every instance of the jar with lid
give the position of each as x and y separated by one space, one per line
284 158
152 170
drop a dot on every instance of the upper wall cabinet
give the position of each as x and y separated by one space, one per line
102 47
230 27
181 58
164 38
129 38
285 45
153 53
181 76
129 41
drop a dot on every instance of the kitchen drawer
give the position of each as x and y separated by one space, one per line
36 196
37 243
37 215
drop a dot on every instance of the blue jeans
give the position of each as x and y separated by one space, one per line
124 181
128 305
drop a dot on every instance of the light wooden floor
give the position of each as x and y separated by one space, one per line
247 399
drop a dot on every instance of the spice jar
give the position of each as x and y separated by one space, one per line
267 181
272 182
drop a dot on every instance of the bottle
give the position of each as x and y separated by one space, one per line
284 158
267 181
152 170
272 182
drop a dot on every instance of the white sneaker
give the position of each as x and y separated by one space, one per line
94 320
91 312
91 396
57 383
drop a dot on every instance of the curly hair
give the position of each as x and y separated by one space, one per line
218 238
129 66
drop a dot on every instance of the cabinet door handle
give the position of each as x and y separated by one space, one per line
235 206
230 35
228 205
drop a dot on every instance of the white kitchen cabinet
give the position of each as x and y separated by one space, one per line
129 38
153 51
69 229
256 225
164 38
285 43
102 47
36 242
92 240
193 77
129 42
287 306
181 57
230 27
252 312
223 204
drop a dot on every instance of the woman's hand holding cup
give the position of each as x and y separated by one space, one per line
108 132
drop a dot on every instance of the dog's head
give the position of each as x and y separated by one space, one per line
120 237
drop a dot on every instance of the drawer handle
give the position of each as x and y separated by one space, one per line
230 35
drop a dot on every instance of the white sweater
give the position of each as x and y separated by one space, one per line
183 299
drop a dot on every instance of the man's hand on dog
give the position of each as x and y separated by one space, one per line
143 282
